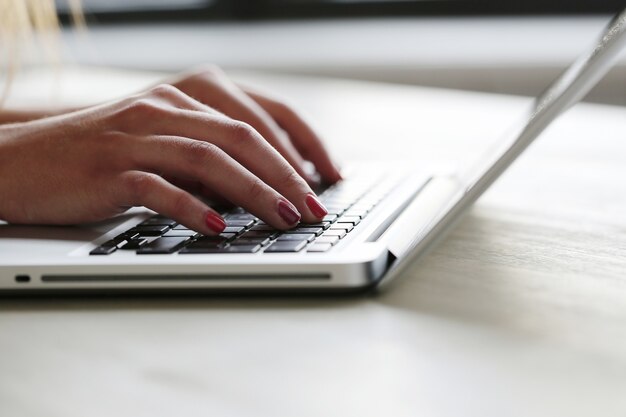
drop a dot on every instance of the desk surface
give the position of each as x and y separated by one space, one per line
520 311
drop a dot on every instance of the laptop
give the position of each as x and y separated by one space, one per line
379 222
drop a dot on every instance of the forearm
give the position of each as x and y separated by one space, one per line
18 115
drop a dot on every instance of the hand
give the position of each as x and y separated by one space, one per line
276 121
92 164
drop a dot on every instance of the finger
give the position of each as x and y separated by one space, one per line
152 191
228 98
216 170
250 149
305 139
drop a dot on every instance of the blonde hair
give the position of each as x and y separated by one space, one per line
24 23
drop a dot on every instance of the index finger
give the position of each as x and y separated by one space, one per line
306 141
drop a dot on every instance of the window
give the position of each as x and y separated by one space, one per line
115 10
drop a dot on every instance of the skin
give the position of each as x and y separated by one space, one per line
199 134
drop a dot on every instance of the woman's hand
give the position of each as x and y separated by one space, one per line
276 121
95 163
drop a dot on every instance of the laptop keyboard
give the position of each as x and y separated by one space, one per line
348 204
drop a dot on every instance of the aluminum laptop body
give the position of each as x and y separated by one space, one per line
403 215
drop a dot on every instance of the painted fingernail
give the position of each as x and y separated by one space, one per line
215 222
315 206
289 213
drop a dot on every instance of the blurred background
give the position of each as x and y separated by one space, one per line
501 46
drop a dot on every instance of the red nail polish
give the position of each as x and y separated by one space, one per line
315 206
289 214
215 222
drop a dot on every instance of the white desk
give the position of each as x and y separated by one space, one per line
520 312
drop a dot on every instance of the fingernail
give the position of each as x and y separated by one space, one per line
289 214
315 206
215 222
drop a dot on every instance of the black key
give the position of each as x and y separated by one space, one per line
135 244
163 245
202 247
342 226
327 239
150 230
239 216
127 236
114 243
241 223
229 249
315 230
319 247
158 221
181 233
211 239
262 228
286 246
102 250
338 233
329 218
323 225
306 237
234 229
258 234
250 241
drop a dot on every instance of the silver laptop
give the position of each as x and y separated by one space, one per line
379 222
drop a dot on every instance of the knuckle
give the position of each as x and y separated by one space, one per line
242 134
256 189
199 152
165 91
180 204
138 186
291 180
142 108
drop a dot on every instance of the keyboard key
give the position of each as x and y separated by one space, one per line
349 219
211 239
323 225
181 233
150 230
180 227
258 234
240 223
229 249
127 236
234 229
338 233
329 218
135 244
319 247
286 246
239 216
356 213
262 228
315 230
250 241
114 243
327 239
158 221
163 245
342 226
102 250
306 237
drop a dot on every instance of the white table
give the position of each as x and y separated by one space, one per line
520 312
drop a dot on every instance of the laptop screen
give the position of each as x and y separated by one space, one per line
563 93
